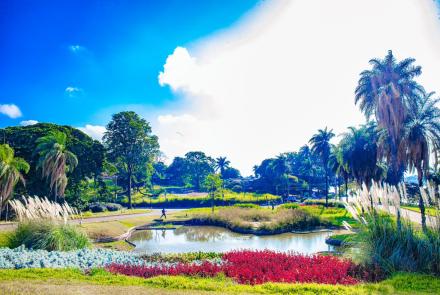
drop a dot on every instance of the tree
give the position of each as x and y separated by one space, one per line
339 166
199 166
55 161
89 152
321 146
212 184
131 145
11 169
384 92
421 132
221 163
360 154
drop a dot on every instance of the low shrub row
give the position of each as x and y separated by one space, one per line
257 267
84 259
102 207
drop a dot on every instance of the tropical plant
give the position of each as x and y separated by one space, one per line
213 183
359 151
339 166
322 147
131 146
421 133
384 92
11 169
55 161
222 163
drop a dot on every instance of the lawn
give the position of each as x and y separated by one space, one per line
200 199
70 281
89 214
429 210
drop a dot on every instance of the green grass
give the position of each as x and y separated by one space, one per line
202 199
4 238
334 215
429 211
398 284
89 214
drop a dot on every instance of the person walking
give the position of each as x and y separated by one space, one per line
164 213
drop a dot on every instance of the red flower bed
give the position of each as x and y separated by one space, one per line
257 267
206 269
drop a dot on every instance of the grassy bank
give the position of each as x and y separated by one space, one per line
89 214
32 281
267 221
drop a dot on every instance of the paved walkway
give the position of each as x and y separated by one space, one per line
153 212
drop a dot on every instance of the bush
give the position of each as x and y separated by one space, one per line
246 205
97 207
113 207
289 206
48 235
322 203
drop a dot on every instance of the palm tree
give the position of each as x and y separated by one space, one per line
339 166
384 92
11 169
55 161
421 132
321 146
221 163
281 169
360 153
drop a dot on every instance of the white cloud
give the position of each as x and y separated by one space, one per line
76 48
10 110
72 91
94 131
267 84
28 122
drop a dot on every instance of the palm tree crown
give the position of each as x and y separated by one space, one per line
55 160
10 173
222 163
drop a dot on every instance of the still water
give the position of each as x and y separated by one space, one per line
218 239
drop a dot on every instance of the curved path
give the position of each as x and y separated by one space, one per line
153 212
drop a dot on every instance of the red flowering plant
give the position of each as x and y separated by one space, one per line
257 267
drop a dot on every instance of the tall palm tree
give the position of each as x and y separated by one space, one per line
421 132
321 146
339 166
11 169
280 168
55 161
384 92
222 163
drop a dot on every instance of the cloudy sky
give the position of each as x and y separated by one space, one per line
242 79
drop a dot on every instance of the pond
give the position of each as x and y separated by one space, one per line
218 239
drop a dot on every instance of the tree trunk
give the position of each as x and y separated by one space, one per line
421 203
129 189
346 187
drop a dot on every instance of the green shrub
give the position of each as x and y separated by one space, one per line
322 203
97 207
289 206
399 249
246 205
113 207
48 235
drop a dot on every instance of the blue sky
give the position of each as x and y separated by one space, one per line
244 79
68 62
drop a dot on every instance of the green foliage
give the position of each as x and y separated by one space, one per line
399 284
399 249
90 154
247 205
47 235
181 257
11 169
132 147
289 206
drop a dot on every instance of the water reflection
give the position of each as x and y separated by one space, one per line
217 239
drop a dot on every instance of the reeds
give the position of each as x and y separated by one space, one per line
35 208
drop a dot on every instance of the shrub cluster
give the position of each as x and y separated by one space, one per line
246 205
102 207
48 235
182 257
322 203
257 267
289 206
83 259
